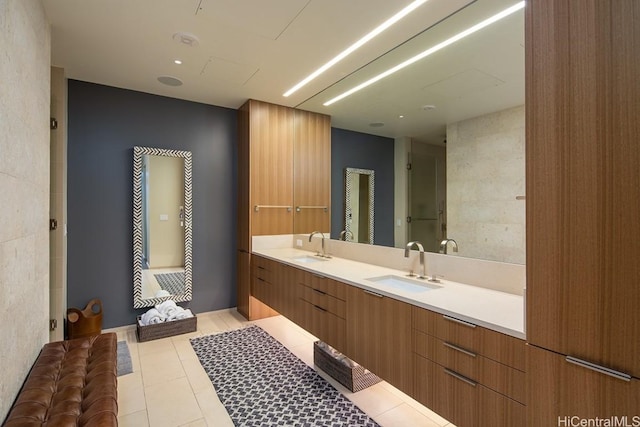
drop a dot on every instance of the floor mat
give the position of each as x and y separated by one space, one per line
124 359
171 282
261 383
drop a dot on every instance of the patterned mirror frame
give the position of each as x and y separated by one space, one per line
138 152
347 196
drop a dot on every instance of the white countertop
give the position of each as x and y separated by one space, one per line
499 311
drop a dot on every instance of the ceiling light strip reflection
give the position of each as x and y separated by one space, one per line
389 22
429 51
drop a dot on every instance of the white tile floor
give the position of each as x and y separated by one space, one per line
168 386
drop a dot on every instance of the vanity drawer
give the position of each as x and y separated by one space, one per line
463 401
446 392
262 290
324 301
325 325
263 268
491 344
322 284
491 374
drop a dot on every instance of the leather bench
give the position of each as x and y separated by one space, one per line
72 383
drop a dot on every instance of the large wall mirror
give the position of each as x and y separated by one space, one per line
162 226
467 101
359 218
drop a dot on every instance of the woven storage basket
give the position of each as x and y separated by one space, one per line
166 329
354 378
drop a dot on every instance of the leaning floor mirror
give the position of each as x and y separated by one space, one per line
162 226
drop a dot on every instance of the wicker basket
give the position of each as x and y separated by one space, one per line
354 378
166 329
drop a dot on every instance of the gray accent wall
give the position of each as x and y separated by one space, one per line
364 151
105 123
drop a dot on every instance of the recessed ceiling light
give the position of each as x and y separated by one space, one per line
170 81
401 116
376 124
389 22
428 107
177 61
429 51
186 39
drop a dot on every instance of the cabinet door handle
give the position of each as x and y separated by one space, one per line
461 322
460 349
460 377
601 369
373 293
320 308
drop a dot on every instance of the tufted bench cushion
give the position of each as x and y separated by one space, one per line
72 383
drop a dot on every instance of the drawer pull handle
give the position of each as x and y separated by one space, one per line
261 267
461 322
460 377
601 369
373 293
319 291
320 308
317 276
460 349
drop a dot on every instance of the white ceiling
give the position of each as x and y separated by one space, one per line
260 48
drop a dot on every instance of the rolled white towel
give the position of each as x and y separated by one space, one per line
152 317
162 293
168 308
182 314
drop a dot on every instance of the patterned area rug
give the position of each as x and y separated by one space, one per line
261 383
171 282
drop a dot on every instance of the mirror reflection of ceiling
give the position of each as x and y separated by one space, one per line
477 75
245 48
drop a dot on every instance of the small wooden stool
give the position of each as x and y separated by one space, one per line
84 323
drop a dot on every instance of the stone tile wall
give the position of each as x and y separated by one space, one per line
485 174
25 46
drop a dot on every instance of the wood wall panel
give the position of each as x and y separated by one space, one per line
244 282
312 171
244 232
271 167
582 104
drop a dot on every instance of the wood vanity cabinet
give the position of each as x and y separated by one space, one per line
468 374
582 181
321 308
583 228
572 390
379 336
277 147
266 284
265 178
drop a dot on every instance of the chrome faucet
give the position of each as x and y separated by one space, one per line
323 252
344 235
421 249
445 242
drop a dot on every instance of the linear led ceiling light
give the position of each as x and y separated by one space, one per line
429 51
389 22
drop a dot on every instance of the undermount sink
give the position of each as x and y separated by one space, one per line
308 258
404 283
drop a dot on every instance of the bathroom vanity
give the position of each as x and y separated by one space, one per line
457 349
